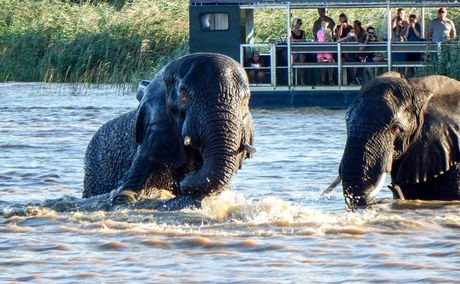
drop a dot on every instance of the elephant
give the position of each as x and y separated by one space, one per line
189 135
409 128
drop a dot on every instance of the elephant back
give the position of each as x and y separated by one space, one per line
109 155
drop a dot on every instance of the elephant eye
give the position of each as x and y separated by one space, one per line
183 98
169 81
397 128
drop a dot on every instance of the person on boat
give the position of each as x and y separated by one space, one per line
349 57
414 33
371 37
398 34
441 28
298 35
400 14
256 75
325 35
361 37
343 28
322 12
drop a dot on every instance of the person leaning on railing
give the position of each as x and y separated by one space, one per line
371 37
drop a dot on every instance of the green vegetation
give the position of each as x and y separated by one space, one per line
56 41
116 41
447 63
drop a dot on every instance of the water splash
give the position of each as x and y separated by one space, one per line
229 213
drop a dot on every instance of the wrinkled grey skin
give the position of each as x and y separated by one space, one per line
189 135
409 128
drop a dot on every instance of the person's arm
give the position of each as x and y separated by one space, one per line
262 62
328 35
393 22
453 32
315 28
417 30
406 32
338 31
303 35
363 45
331 25
430 30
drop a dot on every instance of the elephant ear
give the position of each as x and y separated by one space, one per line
141 88
156 132
432 152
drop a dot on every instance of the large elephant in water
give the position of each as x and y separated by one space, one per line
189 135
409 128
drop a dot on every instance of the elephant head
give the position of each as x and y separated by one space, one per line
387 132
193 118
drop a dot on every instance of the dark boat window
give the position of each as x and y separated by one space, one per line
214 21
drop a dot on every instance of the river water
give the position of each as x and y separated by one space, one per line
272 227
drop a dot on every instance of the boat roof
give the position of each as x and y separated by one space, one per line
331 3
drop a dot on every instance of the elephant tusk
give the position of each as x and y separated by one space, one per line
378 186
250 149
332 186
187 141
397 192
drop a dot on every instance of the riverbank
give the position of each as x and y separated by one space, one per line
55 41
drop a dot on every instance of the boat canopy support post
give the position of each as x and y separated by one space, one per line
422 15
273 65
339 64
389 37
288 41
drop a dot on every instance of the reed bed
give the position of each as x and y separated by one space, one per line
58 41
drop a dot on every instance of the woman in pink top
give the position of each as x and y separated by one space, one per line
325 35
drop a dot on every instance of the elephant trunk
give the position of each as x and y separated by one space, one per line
221 145
363 169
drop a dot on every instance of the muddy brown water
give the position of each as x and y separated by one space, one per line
273 226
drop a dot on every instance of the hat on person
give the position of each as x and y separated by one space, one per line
442 10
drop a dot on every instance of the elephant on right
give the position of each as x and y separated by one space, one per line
408 128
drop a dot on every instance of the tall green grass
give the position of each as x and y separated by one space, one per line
56 41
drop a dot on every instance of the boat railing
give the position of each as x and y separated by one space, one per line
276 53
